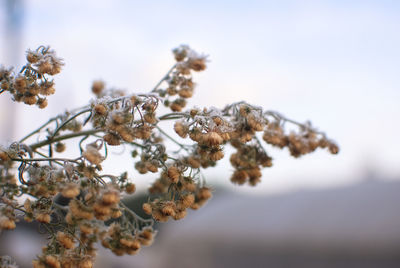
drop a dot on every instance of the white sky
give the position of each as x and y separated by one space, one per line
333 62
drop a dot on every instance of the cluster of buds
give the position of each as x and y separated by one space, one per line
71 260
92 153
65 240
39 210
101 205
31 86
62 250
176 209
179 80
247 121
121 241
43 180
248 161
106 205
209 137
147 164
189 195
119 122
304 142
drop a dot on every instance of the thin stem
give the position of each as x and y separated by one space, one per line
127 209
69 120
277 115
41 154
137 144
164 78
183 146
45 159
64 137
37 130
175 116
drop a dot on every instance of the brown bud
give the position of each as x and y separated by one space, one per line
173 174
65 240
112 139
130 188
181 129
43 217
71 190
147 208
98 87
211 139
100 109
60 147
42 103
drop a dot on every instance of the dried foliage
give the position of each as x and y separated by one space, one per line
33 176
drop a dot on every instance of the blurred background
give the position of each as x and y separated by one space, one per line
335 63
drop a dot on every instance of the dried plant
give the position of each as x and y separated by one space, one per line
33 176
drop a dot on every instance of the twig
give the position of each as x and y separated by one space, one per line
64 137
38 129
183 146
69 120
164 78
45 159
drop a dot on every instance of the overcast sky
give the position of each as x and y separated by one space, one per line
335 63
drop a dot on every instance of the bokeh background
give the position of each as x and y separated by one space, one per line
335 63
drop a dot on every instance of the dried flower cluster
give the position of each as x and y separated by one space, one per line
93 211
31 86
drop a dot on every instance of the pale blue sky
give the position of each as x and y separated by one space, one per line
333 62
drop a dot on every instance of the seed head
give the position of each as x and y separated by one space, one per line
173 174
187 200
98 87
70 190
92 154
33 57
29 100
112 139
52 261
65 240
197 63
60 147
43 217
212 139
86 263
180 215
4 156
193 162
204 193
169 208
147 208
100 109
333 148
110 197
181 129
42 103
130 188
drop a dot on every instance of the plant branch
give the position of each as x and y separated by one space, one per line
164 78
37 130
44 159
183 146
69 120
64 137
